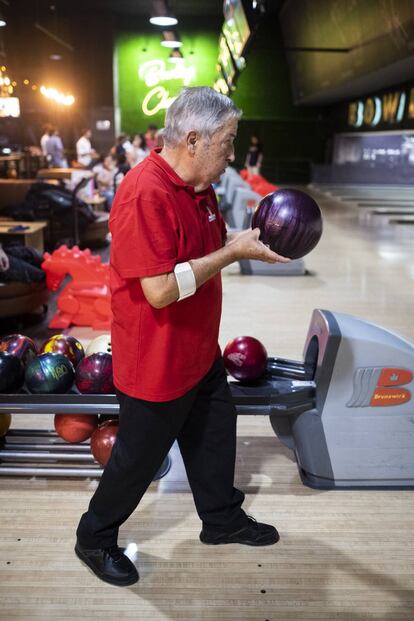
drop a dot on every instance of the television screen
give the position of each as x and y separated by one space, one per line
226 61
235 28
220 83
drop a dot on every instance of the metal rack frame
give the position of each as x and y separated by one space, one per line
34 452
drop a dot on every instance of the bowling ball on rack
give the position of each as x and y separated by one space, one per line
99 344
5 422
66 345
20 346
102 441
75 427
245 358
290 222
94 374
49 373
11 372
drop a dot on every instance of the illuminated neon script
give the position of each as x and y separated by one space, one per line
153 73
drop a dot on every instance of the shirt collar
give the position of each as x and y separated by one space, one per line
172 175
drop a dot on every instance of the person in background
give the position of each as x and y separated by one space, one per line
137 151
84 151
20 263
55 150
151 136
254 156
159 137
47 130
121 169
104 176
121 146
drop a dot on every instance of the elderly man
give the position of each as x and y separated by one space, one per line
169 245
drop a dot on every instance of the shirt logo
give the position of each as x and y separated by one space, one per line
378 386
211 215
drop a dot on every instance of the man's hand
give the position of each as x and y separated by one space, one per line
163 290
246 245
4 261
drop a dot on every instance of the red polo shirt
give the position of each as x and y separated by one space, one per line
157 220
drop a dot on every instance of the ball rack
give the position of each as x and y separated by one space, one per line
30 452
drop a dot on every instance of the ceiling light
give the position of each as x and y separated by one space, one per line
2 22
171 43
162 21
161 15
55 57
171 39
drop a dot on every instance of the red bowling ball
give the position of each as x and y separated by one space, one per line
245 358
94 374
290 222
103 440
75 427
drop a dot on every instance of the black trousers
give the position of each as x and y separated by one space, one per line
204 423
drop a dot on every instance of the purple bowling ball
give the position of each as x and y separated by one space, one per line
290 222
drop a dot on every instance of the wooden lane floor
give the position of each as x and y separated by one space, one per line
343 555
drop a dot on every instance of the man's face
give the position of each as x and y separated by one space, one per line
213 156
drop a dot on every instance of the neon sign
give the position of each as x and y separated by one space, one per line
155 71
388 108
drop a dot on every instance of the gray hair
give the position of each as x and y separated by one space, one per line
199 109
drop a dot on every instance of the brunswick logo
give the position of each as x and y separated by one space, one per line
379 386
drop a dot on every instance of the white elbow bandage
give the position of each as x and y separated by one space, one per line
186 281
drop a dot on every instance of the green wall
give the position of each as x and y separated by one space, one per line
132 51
292 136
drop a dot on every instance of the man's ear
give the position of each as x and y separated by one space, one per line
192 139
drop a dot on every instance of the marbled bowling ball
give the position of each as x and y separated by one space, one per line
102 441
50 373
19 345
11 373
66 345
75 427
245 358
94 374
290 222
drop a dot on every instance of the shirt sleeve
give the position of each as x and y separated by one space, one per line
144 236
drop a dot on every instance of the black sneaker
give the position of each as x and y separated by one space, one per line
254 534
109 564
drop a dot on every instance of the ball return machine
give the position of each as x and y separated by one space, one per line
345 411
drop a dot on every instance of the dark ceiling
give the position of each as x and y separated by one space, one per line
143 7
129 7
